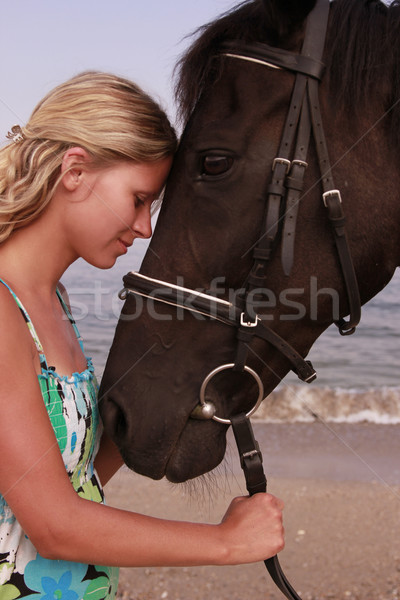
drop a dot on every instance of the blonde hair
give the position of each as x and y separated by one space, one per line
109 116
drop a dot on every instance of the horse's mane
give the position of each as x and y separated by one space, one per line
363 56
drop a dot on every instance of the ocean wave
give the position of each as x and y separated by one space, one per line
295 404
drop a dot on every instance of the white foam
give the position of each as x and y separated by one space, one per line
295 404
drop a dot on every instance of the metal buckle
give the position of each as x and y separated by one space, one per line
281 161
244 323
251 454
325 195
310 379
300 163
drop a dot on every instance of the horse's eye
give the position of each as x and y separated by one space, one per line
216 165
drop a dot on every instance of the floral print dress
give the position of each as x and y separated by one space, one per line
71 403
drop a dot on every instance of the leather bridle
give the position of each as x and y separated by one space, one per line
284 194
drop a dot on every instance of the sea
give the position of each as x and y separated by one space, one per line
358 376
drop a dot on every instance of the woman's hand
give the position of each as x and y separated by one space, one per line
252 528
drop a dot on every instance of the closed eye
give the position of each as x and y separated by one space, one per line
214 165
139 201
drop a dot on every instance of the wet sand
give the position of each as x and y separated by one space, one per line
341 487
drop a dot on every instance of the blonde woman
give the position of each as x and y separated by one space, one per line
77 181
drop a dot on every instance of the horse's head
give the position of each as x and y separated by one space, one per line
220 217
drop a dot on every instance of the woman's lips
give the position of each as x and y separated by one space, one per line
125 245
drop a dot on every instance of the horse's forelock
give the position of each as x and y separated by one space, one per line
363 56
250 21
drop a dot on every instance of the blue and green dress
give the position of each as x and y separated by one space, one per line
71 403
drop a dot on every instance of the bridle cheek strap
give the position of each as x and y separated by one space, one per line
288 169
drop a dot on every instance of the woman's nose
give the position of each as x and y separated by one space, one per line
142 223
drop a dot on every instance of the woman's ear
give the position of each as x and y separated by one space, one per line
75 162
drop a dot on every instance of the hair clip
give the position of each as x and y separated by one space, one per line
15 134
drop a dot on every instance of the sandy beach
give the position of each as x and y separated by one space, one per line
341 488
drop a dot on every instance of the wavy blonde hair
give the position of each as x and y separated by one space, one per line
109 116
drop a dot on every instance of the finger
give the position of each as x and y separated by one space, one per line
270 500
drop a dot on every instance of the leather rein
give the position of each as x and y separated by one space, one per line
284 191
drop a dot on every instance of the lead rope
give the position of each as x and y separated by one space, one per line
251 463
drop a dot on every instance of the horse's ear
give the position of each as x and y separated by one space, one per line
294 11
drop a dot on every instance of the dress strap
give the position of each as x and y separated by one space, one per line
71 318
39 347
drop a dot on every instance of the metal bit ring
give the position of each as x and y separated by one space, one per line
204 402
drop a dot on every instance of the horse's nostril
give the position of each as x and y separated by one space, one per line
120 426
114 420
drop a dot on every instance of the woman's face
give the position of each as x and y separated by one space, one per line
113 209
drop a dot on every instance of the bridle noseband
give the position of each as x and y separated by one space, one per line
217 309
284 191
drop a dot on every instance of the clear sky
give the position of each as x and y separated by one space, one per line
44 42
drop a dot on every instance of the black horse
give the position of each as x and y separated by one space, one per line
245 196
